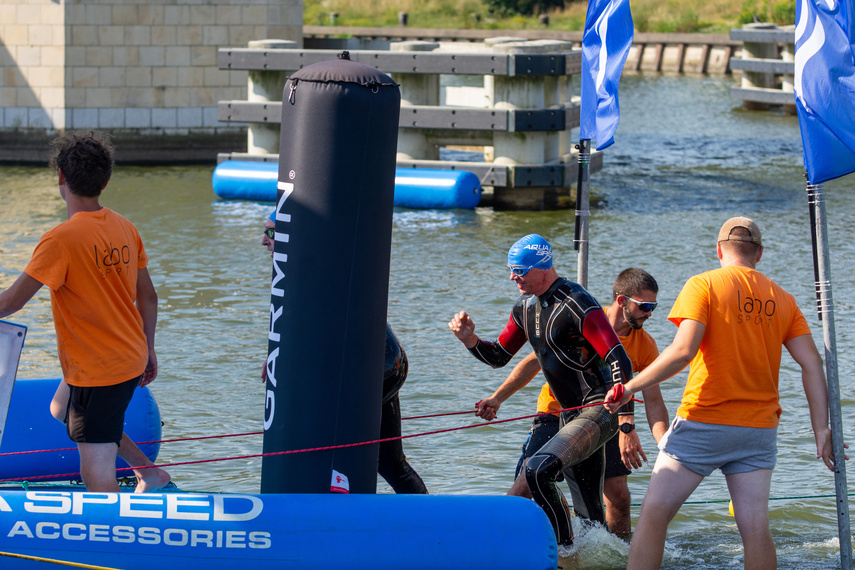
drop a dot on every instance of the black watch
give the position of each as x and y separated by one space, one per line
627 427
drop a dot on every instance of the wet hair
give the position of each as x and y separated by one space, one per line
632 281
744 249
85 159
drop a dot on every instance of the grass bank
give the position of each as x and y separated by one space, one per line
660 16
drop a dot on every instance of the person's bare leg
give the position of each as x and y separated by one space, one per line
750 494
98 467
520 486
616 498
59 403
670 485
148 479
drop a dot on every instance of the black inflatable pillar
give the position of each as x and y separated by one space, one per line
330 278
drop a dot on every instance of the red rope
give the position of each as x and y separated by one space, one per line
293 451
523 417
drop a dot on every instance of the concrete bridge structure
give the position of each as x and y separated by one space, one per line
148 70
145 70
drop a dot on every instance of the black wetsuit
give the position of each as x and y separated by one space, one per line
581 357
392 464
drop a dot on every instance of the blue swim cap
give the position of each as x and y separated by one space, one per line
272 217
531 251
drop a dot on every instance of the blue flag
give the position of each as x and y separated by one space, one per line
824 85
605 45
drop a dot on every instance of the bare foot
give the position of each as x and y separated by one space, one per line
151 479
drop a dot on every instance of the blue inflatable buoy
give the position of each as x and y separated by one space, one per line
246 180
419 188
30 427
436 189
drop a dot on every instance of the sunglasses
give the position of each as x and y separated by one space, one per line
519 270
269 232
645 307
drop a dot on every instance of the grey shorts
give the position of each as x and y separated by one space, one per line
703 448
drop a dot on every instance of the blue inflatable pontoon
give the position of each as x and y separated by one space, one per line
414 187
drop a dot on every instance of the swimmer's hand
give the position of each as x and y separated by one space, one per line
487 409
616 398
464 329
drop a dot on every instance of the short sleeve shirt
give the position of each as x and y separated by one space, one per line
733 379
641 349
91 263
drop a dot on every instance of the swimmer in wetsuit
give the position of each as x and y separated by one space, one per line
392 464
581 357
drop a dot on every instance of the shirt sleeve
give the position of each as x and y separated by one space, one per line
692 303
48 265
598 331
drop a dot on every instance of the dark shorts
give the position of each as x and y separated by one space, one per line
543 428
97 414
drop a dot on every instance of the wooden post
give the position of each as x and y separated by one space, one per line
265 86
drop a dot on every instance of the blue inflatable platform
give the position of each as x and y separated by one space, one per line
30 427
414 187
220 531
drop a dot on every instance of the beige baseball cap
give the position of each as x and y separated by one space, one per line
740 222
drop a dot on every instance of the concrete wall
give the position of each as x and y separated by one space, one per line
145 70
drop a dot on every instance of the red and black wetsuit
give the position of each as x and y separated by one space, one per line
581 357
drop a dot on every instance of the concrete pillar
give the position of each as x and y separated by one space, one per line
758 50
266 86
416 89
526 92
489 83
788 53
531 147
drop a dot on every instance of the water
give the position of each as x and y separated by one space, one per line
686 158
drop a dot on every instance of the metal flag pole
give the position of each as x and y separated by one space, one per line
583 213
825 309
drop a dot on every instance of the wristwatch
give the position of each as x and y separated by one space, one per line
627 427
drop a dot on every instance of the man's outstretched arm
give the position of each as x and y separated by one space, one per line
15 297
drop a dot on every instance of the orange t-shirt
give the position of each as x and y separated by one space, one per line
641 349
91 263
733 379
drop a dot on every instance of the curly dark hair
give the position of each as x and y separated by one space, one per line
85 159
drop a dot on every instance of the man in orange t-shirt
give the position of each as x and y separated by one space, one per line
732 323
104 310
633 301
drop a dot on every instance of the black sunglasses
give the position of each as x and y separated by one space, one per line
269 232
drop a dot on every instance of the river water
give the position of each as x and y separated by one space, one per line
686 158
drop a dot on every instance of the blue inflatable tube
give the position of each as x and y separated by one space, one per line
414 187
436 189
30 427
187 530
